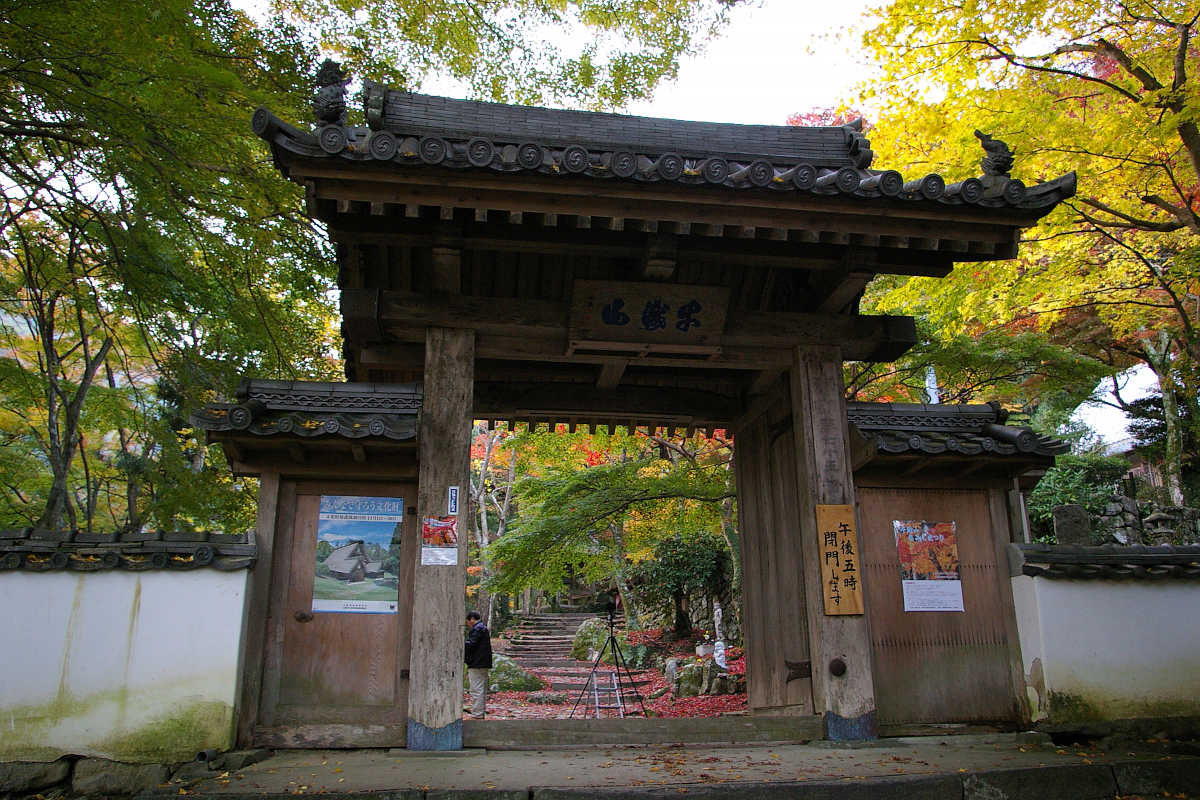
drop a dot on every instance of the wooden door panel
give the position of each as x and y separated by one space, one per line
328 668
332 659
936 666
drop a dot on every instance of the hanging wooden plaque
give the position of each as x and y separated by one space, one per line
841 576
647 317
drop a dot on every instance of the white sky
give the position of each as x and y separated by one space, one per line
772 60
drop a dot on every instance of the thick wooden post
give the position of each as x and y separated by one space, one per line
439 604
838 644
254 614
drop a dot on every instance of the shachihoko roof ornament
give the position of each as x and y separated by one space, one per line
412 130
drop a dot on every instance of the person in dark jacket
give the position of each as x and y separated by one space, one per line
478 655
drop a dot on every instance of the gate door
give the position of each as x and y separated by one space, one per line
938 666
336 667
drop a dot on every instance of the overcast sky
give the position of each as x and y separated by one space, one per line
780 57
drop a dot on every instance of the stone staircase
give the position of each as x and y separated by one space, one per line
542 644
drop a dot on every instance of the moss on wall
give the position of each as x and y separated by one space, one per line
173 737
1071 710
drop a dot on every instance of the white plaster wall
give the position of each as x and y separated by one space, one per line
1126 649
92 661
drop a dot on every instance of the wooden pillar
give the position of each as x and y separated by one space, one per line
774 623
838 644
439 604
254 613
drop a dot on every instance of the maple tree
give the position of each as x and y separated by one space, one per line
148 253
1106 90
593 506
593 53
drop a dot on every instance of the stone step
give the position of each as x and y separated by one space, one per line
543 636
518 733
564 686
535 663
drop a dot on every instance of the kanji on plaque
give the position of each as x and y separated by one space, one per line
644 318
841 576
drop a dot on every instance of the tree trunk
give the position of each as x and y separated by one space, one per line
633 617
1160 362
683 620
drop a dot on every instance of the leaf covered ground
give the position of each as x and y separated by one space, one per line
518 705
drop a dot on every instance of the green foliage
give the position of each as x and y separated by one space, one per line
1107 90
615 51
590 521
1020 368
1086 480
684 565
149 255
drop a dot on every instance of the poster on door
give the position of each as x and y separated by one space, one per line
439 540
358 553
930 573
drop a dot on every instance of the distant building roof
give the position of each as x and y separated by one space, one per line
346 557
968 430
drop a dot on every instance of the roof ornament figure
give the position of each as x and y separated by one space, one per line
996 167
999 158
329 105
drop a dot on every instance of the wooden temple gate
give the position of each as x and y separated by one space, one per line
560 267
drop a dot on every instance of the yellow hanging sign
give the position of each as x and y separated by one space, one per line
841 576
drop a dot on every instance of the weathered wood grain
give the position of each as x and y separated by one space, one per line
847 702
436 662
254 619
938 666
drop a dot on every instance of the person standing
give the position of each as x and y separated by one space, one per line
478 655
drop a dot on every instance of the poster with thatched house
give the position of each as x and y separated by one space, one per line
358 542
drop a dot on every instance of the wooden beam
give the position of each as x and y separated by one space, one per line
610 374
447 270
661 258
838 220
359 452
255 609
842 291
541 326
615 242
436 661
763 381
665 405
463 186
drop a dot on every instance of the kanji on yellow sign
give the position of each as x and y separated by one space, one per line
841 576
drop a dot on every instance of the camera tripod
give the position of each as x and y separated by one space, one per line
614 693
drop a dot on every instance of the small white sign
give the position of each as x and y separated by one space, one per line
452 500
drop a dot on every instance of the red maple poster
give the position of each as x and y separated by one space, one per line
930 573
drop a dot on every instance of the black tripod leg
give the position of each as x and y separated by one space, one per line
590 682
620 663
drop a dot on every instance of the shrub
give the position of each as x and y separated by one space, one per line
1087 480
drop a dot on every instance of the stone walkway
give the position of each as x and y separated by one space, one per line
542 645
993 767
